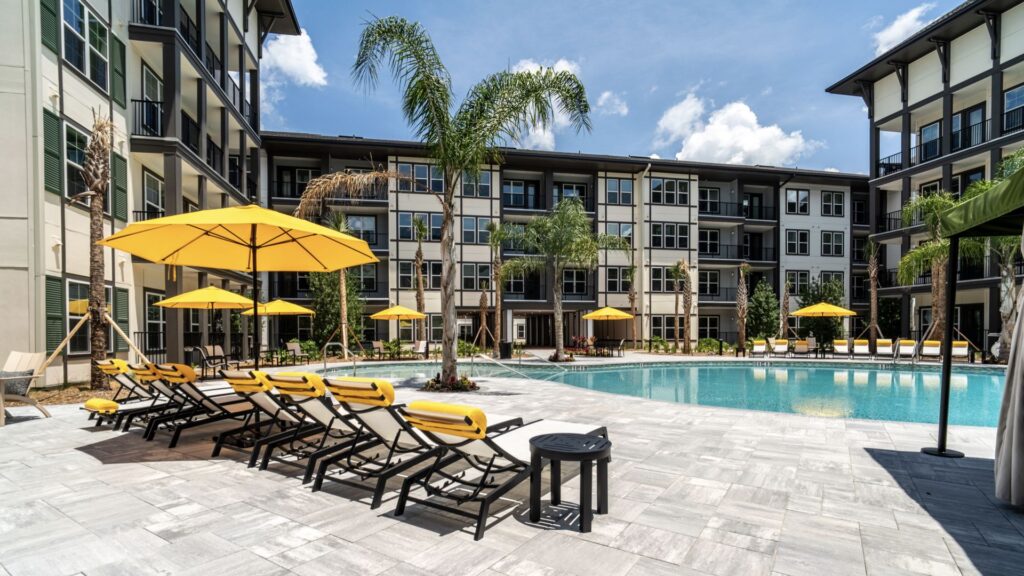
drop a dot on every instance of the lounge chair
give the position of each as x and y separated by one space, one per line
620 350
20 372
931 349
884 348
295 349
397 446
760 348
199 406
131 397
861 348
419 349
812 345
773 347
961 350
906 348
801 348
841 348
497 455
377 349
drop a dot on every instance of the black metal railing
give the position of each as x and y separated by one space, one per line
972 271
143 215
147 118
213 63
760 212
292 189
859 292
926 151
736 252
523 201
894 220
723 294
967 137
1013 120
189 30
147 12
189 132
214 155
234 92
890 164
718 208
152 344
372 237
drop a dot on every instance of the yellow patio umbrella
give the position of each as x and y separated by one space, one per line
81 306
209 298
823 310
246 238
398 313
280 308
608 313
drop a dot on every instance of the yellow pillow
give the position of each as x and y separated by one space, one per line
369 391
452 419
101 406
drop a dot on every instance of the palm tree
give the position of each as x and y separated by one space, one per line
741 307
96 176
500 273
872 251
684 267
784 311
420 231
496 111
1006 249
933 254
339 222
563 240
679 282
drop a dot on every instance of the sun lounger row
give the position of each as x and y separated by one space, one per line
858 348
342 429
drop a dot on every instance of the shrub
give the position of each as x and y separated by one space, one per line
463 384
467 348
710 346
309 348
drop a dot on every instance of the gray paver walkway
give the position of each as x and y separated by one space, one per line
694 490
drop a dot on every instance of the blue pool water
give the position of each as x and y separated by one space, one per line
843 391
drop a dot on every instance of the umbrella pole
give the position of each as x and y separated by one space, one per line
255 304
947 350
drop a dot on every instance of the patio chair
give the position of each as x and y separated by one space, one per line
20 372
801 348
419 349
211 358
620 350
773 348
812 345
397 446
131 396
760 347
497 455
295 349
841 348
199 406
282 419
861 348
334 430
931 349
377 347
906 348
961 350
884 348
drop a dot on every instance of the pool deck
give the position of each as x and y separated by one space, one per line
694 490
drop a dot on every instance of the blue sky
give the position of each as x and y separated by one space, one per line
718 81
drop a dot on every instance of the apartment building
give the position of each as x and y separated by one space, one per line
784 222
944 107
180 80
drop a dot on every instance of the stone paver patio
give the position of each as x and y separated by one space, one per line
695 490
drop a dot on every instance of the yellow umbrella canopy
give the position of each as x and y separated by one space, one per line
81 306
608 313
281 308
823 310
398 313
209 298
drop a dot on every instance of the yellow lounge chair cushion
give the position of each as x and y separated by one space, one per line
452 419
176 373
298 383
860 342
144 372
368 391
113 367
883 342
101 406
247 382
959 344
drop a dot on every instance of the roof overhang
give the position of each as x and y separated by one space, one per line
278 16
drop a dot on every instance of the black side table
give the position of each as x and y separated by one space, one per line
582 448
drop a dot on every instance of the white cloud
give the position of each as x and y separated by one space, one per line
901 28
287 60
609 103
543 137
767 91
731 134
655 157
873 22
831 169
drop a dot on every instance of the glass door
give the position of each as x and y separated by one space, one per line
930 141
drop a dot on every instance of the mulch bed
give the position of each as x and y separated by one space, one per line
65 395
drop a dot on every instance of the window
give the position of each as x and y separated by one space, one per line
406 230
831 203
963 181
516 283
475 230
476 276
663 326
405 276
77 306
707 241
829 276
304 327
670 235
832 243
154 322
479 186
930 141
708 201
436 180
419 178
85 42
432 278
302 281
798 201
659 280
436 220
617 279
75 143
707 282
670 191
1013 101
798 280
153 189
436 329
369 328
929 188
366 277
619 191
431 275
860 250
363 227
574 281
707 327
566 190
621 229
405 226
514 192
798 242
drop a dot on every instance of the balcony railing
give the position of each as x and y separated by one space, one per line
293 189
212 62
888 278
147 118
523 201
189 132
890 164
723 294
1013 120
736 252
214 155
143 215
372 237
960 140
189 30
152 344
967 137
760 212
894 220
147 12
717 208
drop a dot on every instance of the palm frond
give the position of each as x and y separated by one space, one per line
928 208
919 260
350 184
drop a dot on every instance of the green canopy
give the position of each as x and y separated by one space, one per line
997 212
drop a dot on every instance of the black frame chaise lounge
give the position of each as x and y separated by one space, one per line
498 457
132 397
200 406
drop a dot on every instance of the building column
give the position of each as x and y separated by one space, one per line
201 116
225 143
947 127
996 107
246 320
226 321
171 120
174 331
905 315
224 56
905 139
873 146
201 27
995 156
243 163
947 178
242 80
255 100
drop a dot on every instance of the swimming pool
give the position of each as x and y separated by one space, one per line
817 389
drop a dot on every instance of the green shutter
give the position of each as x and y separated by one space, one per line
53 157
121 307
119 182
117 65
55 327
49 20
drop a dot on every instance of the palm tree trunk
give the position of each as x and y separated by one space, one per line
687 307
632 306
741 311
97 295
343 316
498 289
939 295
1009 293
559 329
676 325
421 301
873 332
483 320
449 372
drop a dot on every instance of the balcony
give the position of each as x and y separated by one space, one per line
214 155
189 132
147 12
1013 121
736 252
189 30
965 138
143 215
960 140
375 239
147 118
294 190
860 292
715 208
973 271
523 201
894 221
723 294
